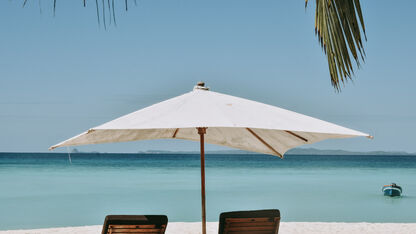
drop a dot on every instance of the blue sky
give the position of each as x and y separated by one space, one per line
62 75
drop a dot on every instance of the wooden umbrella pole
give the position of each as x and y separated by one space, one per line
201 132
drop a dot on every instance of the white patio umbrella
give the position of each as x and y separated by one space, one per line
207 116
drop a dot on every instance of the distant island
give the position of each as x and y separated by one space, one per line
313 151
296 151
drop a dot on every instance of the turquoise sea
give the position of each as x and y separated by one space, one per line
45 190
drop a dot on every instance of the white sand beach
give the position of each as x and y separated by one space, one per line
285 228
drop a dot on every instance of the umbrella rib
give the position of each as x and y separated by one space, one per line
174 134
264 142
296 135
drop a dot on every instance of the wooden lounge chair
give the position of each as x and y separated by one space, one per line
143 224
250 222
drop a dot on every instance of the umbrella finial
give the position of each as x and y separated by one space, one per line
200 85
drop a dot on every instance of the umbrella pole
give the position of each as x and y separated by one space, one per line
201 132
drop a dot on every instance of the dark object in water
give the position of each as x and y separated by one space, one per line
392 190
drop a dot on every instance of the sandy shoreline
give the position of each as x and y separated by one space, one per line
285 227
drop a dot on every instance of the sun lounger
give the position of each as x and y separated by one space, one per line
118 224
250 222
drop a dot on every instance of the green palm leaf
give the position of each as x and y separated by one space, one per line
338 26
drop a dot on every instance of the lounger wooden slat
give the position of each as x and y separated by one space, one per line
243 220
257 228
250 222
135 224
120 230
249 232
132 226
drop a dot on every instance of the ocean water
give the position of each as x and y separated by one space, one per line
40 190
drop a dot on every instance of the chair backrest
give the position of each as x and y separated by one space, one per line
128 224
250 222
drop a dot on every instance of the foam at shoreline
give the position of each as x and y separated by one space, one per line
285 228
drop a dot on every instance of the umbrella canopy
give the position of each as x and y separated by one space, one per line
206 116
230 121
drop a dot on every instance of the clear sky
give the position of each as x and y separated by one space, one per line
62 75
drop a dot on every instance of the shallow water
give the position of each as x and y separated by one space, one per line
45 190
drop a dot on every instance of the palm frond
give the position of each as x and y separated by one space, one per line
338 26
103 6
98 12
54 7
102 18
